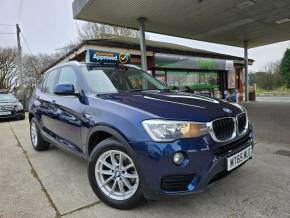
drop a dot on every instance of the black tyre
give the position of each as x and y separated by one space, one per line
21 118
38 143
113 175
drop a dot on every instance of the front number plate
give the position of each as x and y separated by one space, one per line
5 113
239 158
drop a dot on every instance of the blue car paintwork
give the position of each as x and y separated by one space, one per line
64 89
69 121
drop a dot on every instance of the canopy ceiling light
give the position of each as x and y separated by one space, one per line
245 4
281 21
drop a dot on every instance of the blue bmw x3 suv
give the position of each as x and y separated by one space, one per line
141 140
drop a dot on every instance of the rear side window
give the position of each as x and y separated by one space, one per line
68 75
50 82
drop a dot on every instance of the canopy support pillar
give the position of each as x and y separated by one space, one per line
142 43
246 71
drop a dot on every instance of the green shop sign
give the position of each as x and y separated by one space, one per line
188 62
205 64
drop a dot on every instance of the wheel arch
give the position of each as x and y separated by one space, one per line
113 133
31 115
102 132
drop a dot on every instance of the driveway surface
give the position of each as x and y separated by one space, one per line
54 183
271 120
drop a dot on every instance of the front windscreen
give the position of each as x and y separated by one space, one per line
7 98
120 79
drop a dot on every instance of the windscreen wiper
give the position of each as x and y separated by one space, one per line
137 90
148 90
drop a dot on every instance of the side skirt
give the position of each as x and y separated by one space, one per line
63 145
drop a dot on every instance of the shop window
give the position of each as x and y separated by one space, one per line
194 80
161 76
208 82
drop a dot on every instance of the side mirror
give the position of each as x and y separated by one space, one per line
65 89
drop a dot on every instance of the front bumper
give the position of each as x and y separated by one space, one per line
204 165
20 114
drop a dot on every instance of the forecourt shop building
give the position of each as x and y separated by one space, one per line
241 23
177 66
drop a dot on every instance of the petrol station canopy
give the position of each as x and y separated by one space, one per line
229 22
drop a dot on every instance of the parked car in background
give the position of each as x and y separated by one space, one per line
10 107
141 139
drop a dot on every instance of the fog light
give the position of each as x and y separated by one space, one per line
178 158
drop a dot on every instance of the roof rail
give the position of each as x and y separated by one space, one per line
131 65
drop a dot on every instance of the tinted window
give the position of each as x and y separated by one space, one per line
67 75
7 98
50 82
120 80
99 82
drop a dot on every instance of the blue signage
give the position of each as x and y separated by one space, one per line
104 57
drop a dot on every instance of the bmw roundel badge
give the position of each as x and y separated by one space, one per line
227 110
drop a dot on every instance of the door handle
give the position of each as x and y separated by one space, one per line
87 116
53 102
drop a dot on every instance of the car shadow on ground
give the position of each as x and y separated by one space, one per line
7 120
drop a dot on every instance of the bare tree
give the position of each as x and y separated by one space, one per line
31 70
63 51
272 67
43 61
33 66
270 77
8 68
98 31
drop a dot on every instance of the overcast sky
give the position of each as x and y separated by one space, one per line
48 25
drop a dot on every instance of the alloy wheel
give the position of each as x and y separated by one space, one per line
33 132
116 175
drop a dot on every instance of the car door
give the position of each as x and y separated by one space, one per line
46 99
68 109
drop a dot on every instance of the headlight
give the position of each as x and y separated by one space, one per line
19 106
165 130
